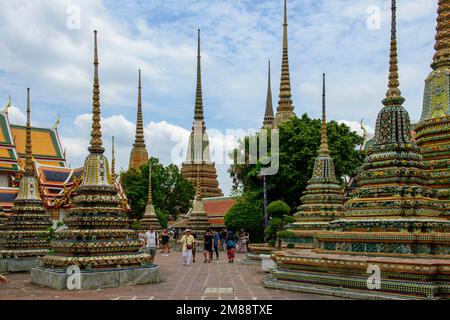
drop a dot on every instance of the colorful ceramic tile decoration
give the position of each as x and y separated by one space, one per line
433 130
98 234
323 198
198 159
393 221
24 232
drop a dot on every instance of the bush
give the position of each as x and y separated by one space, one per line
276 223
272 242
291 245
247 214
285 234
288 219
278 209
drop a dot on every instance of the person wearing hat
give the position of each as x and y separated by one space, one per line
188 243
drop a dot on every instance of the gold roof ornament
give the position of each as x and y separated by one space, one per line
364 135
7 105
58 119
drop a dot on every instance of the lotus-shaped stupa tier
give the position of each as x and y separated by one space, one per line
24 233
98 234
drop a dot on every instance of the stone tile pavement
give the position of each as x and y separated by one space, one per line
200 281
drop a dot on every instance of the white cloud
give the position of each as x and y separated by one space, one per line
238 37
161 138
16 116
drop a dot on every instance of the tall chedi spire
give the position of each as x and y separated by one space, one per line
285 109
98 239
198 219
434 126
198 152
268 115
113 160
138 155
25 231
392 220
393 166
150 219
323 198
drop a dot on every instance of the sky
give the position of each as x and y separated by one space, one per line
47 45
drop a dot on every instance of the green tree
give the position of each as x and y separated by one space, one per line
247 214
299 141
171 192
278 208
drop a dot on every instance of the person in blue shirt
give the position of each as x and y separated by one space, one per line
216 238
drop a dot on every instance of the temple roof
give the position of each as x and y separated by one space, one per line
46 146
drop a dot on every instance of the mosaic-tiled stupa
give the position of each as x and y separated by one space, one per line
198 153
98 240
392 222
150 219
285 109
433 130
323 198
24 233
197 218
138 154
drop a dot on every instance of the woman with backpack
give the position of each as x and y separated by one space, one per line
231 245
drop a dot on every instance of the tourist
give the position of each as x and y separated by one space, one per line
165 242
194 248
216 238
2 279
208 246
187 242
151 242
223 236
141 236
231 245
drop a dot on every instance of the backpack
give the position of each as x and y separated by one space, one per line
230 244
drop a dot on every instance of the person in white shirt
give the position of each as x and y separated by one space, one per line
151 241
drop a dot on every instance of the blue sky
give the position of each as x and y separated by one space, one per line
38 50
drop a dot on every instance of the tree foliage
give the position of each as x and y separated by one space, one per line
299 141
171 192
278 208
247 214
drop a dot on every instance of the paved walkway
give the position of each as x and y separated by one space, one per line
216 280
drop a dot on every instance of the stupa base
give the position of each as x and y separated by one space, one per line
95 278
271 283
352 276
10 265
